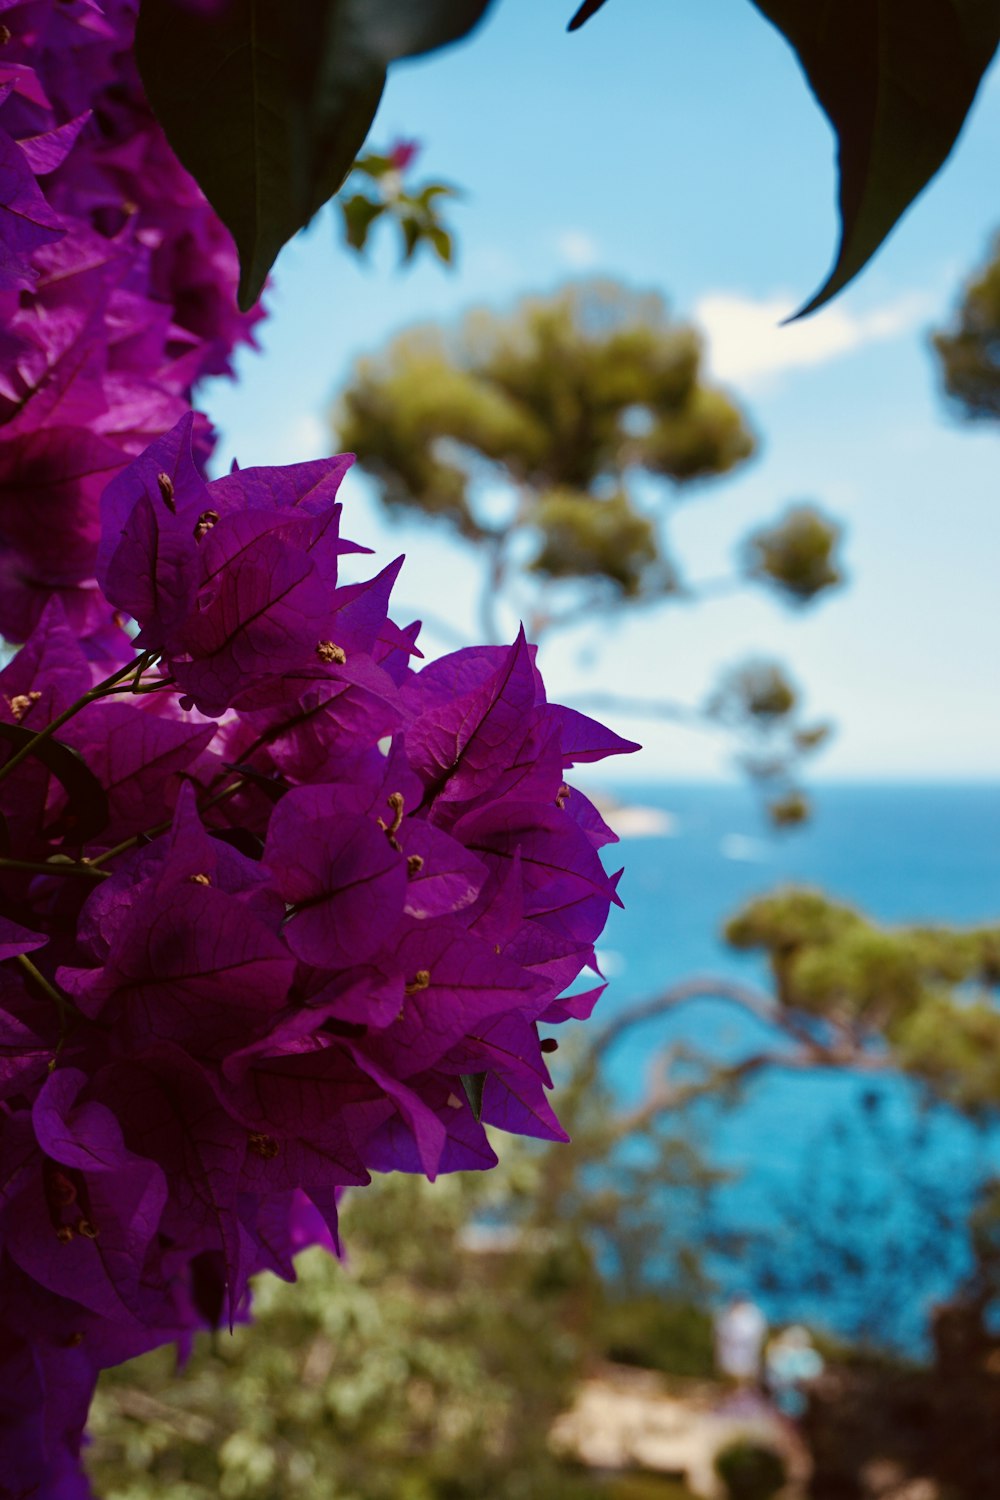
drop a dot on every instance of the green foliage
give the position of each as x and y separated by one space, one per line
567 401
431 1364
268 104
584 537
647 1487
969 352
655 1333
929 993
377 190
760 704
797 554
758 690
415 1371
551 437
790 810
750 1471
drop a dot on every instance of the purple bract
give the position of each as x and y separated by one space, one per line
273 894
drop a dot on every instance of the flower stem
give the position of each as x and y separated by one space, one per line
158 828
102 689
63 1003
53 867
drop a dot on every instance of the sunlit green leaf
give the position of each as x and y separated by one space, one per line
360 214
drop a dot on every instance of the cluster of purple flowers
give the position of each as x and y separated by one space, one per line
321 892
116 292
277 908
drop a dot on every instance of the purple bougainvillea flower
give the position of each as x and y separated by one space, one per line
26 219
80 1210
235 582
344 883
15 939
320 883
138 757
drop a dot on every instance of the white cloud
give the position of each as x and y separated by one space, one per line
748 345
577 249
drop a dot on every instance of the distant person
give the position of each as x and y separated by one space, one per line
792 1361
740 1331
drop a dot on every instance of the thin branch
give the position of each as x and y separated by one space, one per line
53 867
102 690
492 588
699 987
846 1050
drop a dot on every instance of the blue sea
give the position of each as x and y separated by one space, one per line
848 1194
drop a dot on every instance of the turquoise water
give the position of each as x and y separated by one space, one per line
852 1193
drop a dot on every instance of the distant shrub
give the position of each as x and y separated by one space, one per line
656 1333
750 1471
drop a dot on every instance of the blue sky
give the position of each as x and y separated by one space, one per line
676 146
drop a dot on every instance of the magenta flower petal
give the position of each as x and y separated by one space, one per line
109 1220
520 1106
26 220
345 881
584 739
86 1135
444 876
15 939
460 745
456 983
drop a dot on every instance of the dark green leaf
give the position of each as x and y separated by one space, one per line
273 785
436 190
250 844
412 232
87 812
360 214
268 102
442 242
587 9
375 165
473 1084
896 79
401 28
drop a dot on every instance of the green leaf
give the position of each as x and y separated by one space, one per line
268 102
473 1084
360 214
412 232
87 812
434 190
587 9
403 28
442 242
896 78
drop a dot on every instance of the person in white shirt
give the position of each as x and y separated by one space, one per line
740 1331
